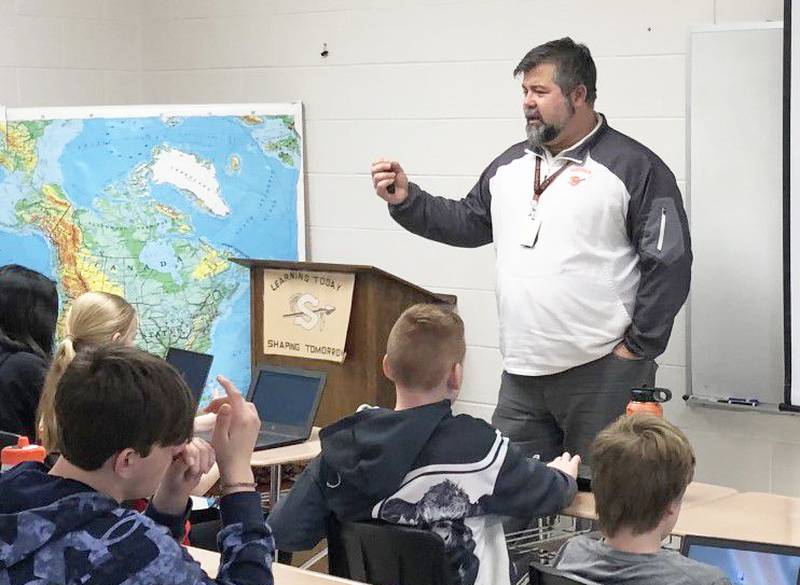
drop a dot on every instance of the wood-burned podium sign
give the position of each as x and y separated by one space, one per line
306 313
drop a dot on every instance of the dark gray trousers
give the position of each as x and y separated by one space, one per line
547 415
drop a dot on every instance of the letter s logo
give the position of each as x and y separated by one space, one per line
306 304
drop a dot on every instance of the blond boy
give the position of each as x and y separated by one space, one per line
420 465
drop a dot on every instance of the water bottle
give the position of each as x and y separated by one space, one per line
648 400
24 451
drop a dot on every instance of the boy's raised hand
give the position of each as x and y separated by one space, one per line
235 435
192 460
566 463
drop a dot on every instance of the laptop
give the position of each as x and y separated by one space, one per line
584 478
287 400
194 367
746 563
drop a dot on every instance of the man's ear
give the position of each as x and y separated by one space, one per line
578 95
387 369
125 462
116 337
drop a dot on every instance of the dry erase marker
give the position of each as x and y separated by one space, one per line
740 401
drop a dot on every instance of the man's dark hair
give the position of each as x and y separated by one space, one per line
115 397
573 62
28 310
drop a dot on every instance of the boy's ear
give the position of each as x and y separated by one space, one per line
124 463
116 337
387 370
455 378
672 511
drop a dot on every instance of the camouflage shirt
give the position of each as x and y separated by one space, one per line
57 530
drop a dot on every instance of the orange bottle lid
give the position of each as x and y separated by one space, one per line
24 451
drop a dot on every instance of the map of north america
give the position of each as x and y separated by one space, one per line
151 208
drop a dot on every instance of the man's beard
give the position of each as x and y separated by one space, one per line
541 134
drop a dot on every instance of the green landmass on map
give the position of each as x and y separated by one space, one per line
100 248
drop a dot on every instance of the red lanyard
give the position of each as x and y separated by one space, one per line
539 188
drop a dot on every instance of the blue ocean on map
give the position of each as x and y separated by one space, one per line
87 157
31 250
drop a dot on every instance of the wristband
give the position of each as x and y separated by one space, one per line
239 484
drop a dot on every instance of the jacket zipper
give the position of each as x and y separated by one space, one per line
662 229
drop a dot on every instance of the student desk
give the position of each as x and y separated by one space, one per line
283 574
698 495
272 458
752 516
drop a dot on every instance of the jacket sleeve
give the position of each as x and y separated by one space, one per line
526 488
147 553
298 519
245 541
466 223
175 524
659 231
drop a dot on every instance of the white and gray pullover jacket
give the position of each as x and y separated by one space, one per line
611 263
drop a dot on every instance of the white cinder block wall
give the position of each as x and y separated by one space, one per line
70 52
429 83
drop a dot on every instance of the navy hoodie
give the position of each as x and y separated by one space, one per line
57 530
454 475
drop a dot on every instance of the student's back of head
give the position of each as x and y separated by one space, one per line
114 397
28 310
94 319
424 347
641 465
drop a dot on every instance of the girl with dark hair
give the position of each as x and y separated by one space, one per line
28 315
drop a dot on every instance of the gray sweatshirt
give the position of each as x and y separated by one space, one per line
590 557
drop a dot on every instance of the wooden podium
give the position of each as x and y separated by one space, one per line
378 300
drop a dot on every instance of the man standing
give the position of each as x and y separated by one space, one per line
593 255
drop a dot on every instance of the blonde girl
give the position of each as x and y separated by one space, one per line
95 318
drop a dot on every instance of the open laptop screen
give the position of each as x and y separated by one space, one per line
287 396
193 366
746 563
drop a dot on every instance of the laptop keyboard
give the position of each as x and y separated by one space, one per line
270 435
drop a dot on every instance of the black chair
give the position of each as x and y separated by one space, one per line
8 439
387 554
544 575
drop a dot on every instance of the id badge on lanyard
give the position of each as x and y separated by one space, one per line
533 223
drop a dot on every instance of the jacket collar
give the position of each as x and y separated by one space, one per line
577 153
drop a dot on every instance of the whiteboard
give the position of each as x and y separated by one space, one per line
735 308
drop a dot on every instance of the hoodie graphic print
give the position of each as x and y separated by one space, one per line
453 475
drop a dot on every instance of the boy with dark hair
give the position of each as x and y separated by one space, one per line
124 420
421 466
641 466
